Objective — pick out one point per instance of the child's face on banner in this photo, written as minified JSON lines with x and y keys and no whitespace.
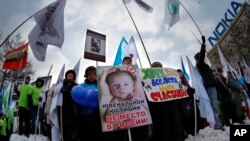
{"x":121,"y":86}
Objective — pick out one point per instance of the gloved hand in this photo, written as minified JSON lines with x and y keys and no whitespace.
{"x":203,"y":40}
{"x":190,"y":91}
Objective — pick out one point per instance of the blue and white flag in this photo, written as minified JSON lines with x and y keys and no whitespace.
{"x":131,"y":50}
{"x":120,"y":52}
{"x":49,"y":29}
{"x":205,"y":106}
{"x":171,"y":14}
{"x":184,"y":70}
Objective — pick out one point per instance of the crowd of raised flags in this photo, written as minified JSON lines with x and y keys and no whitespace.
{"x":49,"y":30}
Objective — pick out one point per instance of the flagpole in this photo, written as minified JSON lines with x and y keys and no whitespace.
{"x":191,"y":17}
{"x":16,"y":29}
{"x":50,"y":69}
{"x":137,"y":32}
{"x":196,"y":37}
{"x":140,"y":61}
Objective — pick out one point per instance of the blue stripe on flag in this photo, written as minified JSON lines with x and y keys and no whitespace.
{"x":120,"y":52}
{"x":184,"y":70}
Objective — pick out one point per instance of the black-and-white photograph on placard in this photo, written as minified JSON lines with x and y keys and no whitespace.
{"x":95,"y":46}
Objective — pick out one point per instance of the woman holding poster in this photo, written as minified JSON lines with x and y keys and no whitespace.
{"x":122,"y":103}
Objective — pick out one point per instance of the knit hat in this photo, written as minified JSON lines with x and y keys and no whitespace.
{"x":156,"y":65}
{"x":89,"y":69}
{"x":27,"y":77}
{"x":72,"y":72}
{"x":40,"y":80}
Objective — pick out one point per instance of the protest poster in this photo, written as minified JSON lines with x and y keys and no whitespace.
{"x":162,"y":84}
{"x":95,"y":46}
{"x":122,"y":101}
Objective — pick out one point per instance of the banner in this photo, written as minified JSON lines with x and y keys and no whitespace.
{"x":162,"y":84}
{"x":16,"y":58}
{"x":95,"y":46}
{"x":122,"y":101}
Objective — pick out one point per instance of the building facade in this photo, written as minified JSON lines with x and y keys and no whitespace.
{"x":235,"y":41}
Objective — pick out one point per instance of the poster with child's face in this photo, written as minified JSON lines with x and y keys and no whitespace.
{"x":162,"y":84}
{"x":122,"y":101}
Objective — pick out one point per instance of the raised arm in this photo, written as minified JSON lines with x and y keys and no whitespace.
{"x":202,"y":51}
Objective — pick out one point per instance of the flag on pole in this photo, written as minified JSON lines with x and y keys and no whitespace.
{"x":141,"y":4}
{"x":184,"y":70}
{"x":59,"y":85}
{"x":247,"y":72}
{"x":200,"y":91}
{"x":225,"y":65}
{"x":49,"y":29}
{"x":77,"y":68}
{"x":120,"y":52}
{"x":16,"y":58}
{"x":172,"y":15}
{"x":56,"y":101}
{"x":131,"y":50}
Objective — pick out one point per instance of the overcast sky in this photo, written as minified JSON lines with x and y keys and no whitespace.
{"x":110,"y":17}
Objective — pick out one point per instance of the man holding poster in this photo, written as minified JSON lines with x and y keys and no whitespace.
{"x":122,"y":101}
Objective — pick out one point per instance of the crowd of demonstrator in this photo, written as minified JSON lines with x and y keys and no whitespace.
{"x":172,"y":120}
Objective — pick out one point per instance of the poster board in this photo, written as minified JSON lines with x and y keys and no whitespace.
{"x":122,"y":101}
{"x":162,"y":84}
{"x":95,"y":46}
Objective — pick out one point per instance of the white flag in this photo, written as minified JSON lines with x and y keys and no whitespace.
{"x":225,"y":65}
{"x":171,"y":14}
{"x":131,"y":50}
{"x":77,"y":68}
{"x":56,"y":101}
{"x":205,"y":106}
{"x":49,"y":29}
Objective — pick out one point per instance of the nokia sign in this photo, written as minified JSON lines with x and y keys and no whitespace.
{"x":224,"y":23}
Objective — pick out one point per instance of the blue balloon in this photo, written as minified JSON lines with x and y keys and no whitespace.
{"x":92,"y":98}
{"x":85,"y":95}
